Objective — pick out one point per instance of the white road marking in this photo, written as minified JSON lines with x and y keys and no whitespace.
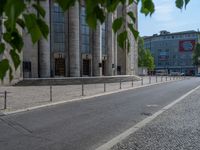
{"x":152,"y":105}
{"x":141,"y":124}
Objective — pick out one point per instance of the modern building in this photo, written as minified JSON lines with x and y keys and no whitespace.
{"x":74,"y":50}
{"x":173,"y":51}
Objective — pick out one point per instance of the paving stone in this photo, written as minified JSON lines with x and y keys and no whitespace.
{"x":176,"y":129}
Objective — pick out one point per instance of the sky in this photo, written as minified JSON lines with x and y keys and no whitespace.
{"x":168,"y":17}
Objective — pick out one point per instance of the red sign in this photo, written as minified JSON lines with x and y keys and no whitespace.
{"x":186,"y":45}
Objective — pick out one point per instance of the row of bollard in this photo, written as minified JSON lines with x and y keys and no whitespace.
{"x":120,"y":85}
{"x":4,"y":94}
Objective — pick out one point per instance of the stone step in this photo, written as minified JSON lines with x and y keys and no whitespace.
{"x":76,"y":80}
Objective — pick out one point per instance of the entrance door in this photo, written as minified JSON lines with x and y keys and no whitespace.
{"x":103,"y":67}
{"x":60,"y":67}
{"x":86,"y":67}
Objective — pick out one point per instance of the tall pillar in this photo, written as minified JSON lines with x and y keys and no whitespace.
{"x":109,"y":45}
{"x":44,"y":46}
{"x":115,"y":46}
{"x":74,"y":48}
{"x":97,"y":51}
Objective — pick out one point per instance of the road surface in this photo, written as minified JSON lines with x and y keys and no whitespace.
{"x":87,"y":124}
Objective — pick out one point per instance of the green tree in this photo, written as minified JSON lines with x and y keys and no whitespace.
{"x":17,"y":16}
{"x":141,"y":52}
{"x":145,"y":59}
{"x":149,"y":60}
{"x":196,"y":55}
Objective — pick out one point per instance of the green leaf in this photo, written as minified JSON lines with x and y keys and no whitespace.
{"x":134,"y":31}
{"x":92,"y":21}
{"x":147,"y":7}
{"x":15,"y":58}
{"x":7,"y":37}
{"x":43,"y":27}
{"x":186,"y":2}
{"x":4,"y":66}
{"x":117,"y":24}
{"x":2,"y":48}
{"x":16,"y":41}
{"x":66,"y":4}
{"x":21,"y":23}
{"x":123,"y":1}
{"x":132,"y":16}
{"x":91,"y":14}
{"x":121,"y":39}
{"x":2,"y":2}
{"x":100,"y":14}
{"x":39,"y":9}
{"x":179,"y":4}
{"x":112,"y":5}
{"x":32,"y":26}
{"x":13,"y":10}
{"x":130,"y":2}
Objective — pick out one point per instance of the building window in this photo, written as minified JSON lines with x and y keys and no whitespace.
{"x":103,"y":29}
{"x":84,"y":29}
{"x":58,"y":29}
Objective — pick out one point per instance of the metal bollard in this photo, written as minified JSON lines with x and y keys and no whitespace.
{"x":132,"y":83}
{"x":166,"y":78}
{"x":5,"y":100}
{"x":120,"y":84}
{"x":156,"y":79}
{"x":104,"y":87}
{"x":149,"y":79}
{"x":161,"y":78}
{"x":142,"y":81}
{"x":51,"y":94}
{"x":82,"y":85}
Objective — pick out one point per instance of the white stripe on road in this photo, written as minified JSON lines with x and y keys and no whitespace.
{"x":141,"y":124}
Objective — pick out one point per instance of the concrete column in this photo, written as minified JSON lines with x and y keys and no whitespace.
{"x":97,"y":51}
{"x":109,"y":45}
{"x":115,"y":47}
{"x":74,"y":48}
{"x":44,"y":46}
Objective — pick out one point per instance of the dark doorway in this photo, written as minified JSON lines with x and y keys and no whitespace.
{"x":60,"y":67}
{"x":103,"y":67}
{"x":86,"y":67}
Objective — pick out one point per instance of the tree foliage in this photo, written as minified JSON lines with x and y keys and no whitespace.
{"x":145,"y":59}
{"x":17,"y":16}
{"x":196,"y":55}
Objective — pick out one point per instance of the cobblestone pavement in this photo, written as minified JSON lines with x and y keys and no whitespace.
{"x":176,"y":129}
{"x":24,"y":97}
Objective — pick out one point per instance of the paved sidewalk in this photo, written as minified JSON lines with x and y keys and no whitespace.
{"x":20,"y":97}
{"x":176,"y":129}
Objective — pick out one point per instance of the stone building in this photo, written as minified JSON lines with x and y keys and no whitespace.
{"x":74,"y":50}
{"x":173,"y":51}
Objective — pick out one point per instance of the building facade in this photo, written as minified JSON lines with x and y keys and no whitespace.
{"x":75,"y":50}
{"x":173,"y":51}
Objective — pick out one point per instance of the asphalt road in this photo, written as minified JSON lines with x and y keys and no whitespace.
{"x":85,"y":125}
